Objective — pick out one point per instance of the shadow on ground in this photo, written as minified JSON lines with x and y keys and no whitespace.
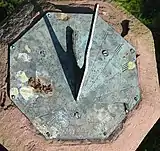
{"x":3,"y":14}
{"x":2,"y":148}
{"x":152,"y":140}
{"x":150,"y":10}
{"x":156,"y":37}
{"x":125,"y":27}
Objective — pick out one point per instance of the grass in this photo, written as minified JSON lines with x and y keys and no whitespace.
{"x":10,"y":5}
{"x":147,"y":11}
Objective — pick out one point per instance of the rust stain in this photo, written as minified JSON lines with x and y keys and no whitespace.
{"x":39,"y":85}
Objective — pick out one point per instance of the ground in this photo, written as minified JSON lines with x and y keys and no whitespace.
{"x":18,"y":134}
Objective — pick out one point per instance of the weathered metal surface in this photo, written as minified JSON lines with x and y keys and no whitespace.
{"x":39,"y":85}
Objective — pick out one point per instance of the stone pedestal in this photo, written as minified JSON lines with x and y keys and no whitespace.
{"x":17,"y":133}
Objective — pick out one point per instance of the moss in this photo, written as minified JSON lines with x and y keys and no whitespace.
{"x":145,"y":10}
{"x":10,"y":5}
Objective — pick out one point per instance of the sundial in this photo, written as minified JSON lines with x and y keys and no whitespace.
{"x":73,"y":76}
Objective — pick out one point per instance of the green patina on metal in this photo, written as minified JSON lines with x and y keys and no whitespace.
{"x":63,"y":98}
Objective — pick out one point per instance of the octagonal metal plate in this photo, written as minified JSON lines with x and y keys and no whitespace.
{"x":39,"y":88}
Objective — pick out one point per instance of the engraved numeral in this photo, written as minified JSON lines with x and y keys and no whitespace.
{"x":124,"y":67}
{"x":118,"y":48}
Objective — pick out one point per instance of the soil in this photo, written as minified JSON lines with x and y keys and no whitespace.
{"x":16,"y":132}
